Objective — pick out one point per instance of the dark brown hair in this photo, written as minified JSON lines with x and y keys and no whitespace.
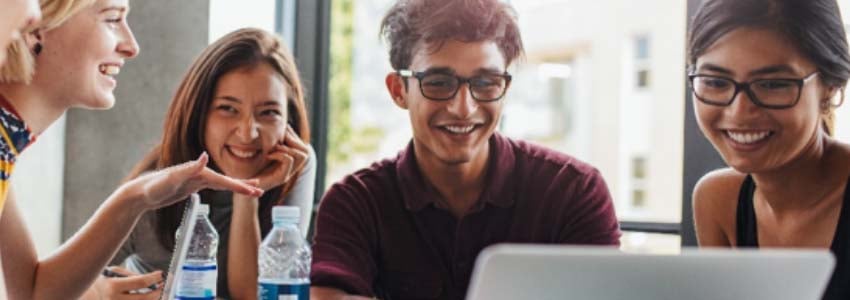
{"x":813,"y":26}
{"x":183,"y":131}
{"x":434,"y":22}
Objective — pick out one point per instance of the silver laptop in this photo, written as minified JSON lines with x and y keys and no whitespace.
{"x":588,"y":273}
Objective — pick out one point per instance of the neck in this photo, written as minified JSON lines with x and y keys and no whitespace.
{"x":460,"y":184}
{"x":35,"y":106}
{"x":800,"y":183}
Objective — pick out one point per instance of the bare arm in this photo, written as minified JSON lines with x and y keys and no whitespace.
{"x":242,"y":248}
{"x":83,"y":257}
{"x":287,"y":159}
{"x":715,"y":204}
{"x":68,"y":272}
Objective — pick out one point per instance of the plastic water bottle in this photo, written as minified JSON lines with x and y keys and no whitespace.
{"x":284,"y":259}
{"x":200,"y":270}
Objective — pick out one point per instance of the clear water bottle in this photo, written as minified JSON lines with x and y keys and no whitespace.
{"x":284,"y":259}
{"x":199,"y":271}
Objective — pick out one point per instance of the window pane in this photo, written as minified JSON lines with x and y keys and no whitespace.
{"x":619,"y":107}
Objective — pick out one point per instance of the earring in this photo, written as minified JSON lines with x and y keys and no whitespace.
{"x":37,"y":48}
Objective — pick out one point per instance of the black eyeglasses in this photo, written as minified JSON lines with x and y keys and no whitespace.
{"x":773,"y":93}
{"x":440,"y":86}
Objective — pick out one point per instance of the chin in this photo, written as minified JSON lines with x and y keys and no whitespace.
{"x":102,"y":103}
{"x":456,"y":158}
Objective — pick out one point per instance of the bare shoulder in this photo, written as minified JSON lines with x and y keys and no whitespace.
{"x":715,"y":201}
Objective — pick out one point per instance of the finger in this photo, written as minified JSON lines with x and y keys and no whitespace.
{"x":122,"y":271}
{"x":213,"y":180}
{"x":162,"y":185}
{"x":293,"y":140}
{"x":280,"y":171}
{"x":300,"y":157}
{"x":135,"y":282}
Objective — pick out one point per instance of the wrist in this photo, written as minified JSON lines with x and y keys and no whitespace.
{"x":243,"y":201}
{"x":129,"y":199}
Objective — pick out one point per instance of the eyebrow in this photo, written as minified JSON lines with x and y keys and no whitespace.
{"x":234,"y":99}
{"x":714,"y":68}
{"x":447,"y":70}
{"x":229,"y":98}
{"x":269,"y":103}
{"x":772,"y":70}
{"x":761,"y":71}
{"x":123,"y":9}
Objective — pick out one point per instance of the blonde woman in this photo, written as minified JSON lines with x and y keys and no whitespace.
{"x":71,"y":60}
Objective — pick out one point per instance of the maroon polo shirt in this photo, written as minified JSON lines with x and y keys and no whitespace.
{"x":380,"y":231}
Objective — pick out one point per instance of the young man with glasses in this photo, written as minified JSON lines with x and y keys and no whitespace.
{"x":411,"y":227}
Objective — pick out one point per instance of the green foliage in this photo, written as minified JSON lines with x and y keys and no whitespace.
{"x":345,"y":139}
{"x":339,"y":90}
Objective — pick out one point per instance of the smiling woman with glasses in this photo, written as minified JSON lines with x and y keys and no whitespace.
{"x":766,"y":78}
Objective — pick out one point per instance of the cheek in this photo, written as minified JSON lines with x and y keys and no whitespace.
{"x":705,"y":116}
{"x":213,"y":133}
{"x":272,"y":134}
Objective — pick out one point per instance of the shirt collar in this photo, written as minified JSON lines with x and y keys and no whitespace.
{"x":15,"y":131}
{"x":499,"y":189}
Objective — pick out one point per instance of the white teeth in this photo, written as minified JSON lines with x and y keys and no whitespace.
{"x":243,"y":154}
{"x":459,"y":129}
{"x":110,"y":70}
{"x":748,"y":137}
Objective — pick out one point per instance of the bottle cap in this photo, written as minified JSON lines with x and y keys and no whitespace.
{"x":289,"y":214}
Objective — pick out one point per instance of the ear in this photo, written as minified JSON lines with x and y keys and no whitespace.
{"x":831,"y":94}
{"x":397,"y":89}
{"x":33,"y":39}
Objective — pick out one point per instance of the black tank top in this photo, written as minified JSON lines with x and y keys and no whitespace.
{"x":839,"y":284}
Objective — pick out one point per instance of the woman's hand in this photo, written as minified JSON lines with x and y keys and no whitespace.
{"x":167,"y":186}
{"x":287,"y":159}
{"x":134,"y":286}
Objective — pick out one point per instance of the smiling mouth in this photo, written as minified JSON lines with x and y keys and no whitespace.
{"x":458,"y":129}
{"x":243,"y":154}
{"x":748,"y":137}
{"x":109,"y":69}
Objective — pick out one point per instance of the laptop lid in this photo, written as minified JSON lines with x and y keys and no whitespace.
{"x":597,"y":273}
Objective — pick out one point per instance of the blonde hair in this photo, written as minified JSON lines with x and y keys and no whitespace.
{"x":20,"y":62}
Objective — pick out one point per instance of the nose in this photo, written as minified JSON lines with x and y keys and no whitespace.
{"x":127,"y":45}
{"x":463,"y":105}
{"x":742,"y":105}
{"x":248,"y":130}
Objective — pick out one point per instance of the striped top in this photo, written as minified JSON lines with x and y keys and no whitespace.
{"x":15,"y":136}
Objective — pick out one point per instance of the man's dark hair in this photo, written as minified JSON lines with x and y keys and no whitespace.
{"x":434,"y":22}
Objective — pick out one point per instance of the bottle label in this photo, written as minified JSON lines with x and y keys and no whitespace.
{"x":272,"y":291}
{"x":197,"y":282}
